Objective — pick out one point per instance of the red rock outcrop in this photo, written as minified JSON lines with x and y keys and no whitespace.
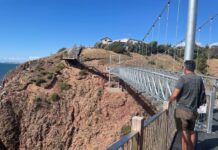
{"x":75,"y":112}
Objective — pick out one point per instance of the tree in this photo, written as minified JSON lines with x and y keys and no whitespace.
{"x":117,"y":47}
{"x":213,"y":52}
{"x":153,"y":46}
{"x":202,"y":60}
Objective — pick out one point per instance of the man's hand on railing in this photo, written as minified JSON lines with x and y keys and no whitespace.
{"x":166,"y":105}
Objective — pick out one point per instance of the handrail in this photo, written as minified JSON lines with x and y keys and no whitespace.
{"x":146,"y":124}
{"x":153,"y":118}
{"x":123,"y":140}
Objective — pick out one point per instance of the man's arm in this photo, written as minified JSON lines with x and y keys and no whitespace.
{"x":176,"y":91}
{"x":174,"y":95}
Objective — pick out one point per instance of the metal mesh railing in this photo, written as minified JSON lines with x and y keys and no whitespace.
{"x":159,"y":85}
{"x":158,"y":131}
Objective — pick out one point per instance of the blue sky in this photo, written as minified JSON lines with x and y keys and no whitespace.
{"x":37,"y":28}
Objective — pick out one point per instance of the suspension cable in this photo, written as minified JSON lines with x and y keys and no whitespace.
{"x":208,"y":21}
{"x":166,"y":31}
{"x":177,"y":19}
{"x":177,"y":29}
{"x":210,"y":36}
{"x":210,"y":31}
{"x":152,"y":36}
{"x":203,"y":25}
{"x":157,"y":19}
{"x":158,"y":31}
{"x":158,"y":38}
{"x":198,"y":48}
{"x":167,"y":23}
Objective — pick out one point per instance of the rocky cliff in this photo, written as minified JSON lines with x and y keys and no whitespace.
{"x":48,"y":105}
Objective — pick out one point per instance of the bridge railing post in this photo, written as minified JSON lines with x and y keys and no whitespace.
{"x":137,"y":125}
{"x":211,"y":109}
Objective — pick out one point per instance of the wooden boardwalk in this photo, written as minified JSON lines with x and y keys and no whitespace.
{"x":73,"y":54}
{"x":205,"y":141}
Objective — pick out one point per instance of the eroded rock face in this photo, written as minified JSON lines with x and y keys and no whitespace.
{"x":84,"y":116}
{"x":9,"y":126}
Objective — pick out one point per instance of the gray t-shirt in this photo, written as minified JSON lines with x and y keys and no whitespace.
{"x":192,"y":93}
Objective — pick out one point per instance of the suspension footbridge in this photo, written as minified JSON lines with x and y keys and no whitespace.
{"x":159,"y":132}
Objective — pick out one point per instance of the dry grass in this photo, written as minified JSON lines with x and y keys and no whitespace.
{"x":91,"y":53}
{"x":161,"y":61}
{"x":102,"y":55}
{"x":213,"y":67}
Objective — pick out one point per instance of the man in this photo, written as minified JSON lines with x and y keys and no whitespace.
{"x":189,"y":93}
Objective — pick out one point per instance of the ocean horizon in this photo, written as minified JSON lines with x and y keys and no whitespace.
{"x":5,"y":68}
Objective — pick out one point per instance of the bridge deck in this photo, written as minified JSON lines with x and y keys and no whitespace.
{"x":205,"y":141}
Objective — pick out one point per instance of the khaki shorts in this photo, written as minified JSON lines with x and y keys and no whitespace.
{"x":185,"y":120}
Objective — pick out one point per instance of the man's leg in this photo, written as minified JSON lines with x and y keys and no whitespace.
{"x":193,"y":140}
{"x":185,"y":139}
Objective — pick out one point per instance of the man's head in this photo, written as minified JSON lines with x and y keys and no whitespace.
{"x":189,"y":66}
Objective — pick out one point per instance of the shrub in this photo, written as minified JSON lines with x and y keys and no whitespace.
{"x":213,"y":52}
{"x":152,"y":62}
{"x":38,"y":106}
{"x":37,"y":99}
{"x":125,"y":130}
{"x":98,"y":45}
{"x":100,"y":91}
{"x":202,"y":64}
{"x":39,"y":103}
{"x":60,"y":66}
{"x":43,"y":73}
{"x":64,"y":86}
{"x":50,"y":76}
{"x":55,"y":97}
{"x":39,"y":81}
{"x":117,"y":47}
{"x":39,"y":68}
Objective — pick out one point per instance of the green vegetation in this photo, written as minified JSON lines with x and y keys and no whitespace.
{"x":213,"y":52}
{"x":152,"y":62}
{"x":153,"y":48}
{"x":200,"y":53}
{"x":39,"y":81}
{"x":60,"y":66}
{"x":40,"y":102}
{"x":49,"y":76}
{"x":63,"y":85}
{"x":201,"y":61}
{"x":125,"y":130}
{"x":100,"y":91}
{"x":117,"y":47}
{"x":55,"y":97}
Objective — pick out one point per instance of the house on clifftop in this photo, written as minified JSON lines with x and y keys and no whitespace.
{"x":106,"y":41}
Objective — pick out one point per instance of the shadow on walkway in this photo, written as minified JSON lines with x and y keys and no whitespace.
{"x":208,"y":144}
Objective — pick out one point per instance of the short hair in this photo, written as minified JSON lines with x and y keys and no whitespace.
{"x":190,"y":65}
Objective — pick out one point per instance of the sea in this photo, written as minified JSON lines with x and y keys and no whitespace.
{"x":4,"y":69}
